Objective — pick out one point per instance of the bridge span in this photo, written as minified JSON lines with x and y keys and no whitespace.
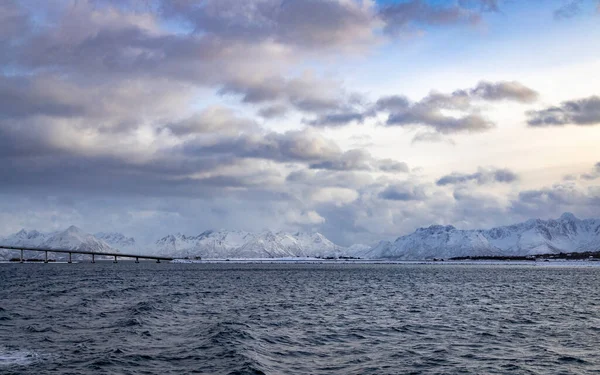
{"x":92,"y":253}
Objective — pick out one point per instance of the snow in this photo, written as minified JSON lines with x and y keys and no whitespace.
{"x":239,"y":244}
{"x":117,"y":240}
{"x":565,"y":234}
{"x":72,"y":238}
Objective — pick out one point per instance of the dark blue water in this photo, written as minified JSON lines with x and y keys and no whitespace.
{"x":152,"y":318}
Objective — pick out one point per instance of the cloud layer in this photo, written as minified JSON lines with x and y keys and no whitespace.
{"x":163,"y":115}
{"x":583,"y":112}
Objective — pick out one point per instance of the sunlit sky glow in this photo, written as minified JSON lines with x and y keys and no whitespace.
{"x":361,"y":120}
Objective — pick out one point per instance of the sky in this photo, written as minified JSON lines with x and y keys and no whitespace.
{"x":363,"y":120}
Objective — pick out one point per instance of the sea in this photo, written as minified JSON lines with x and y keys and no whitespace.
{"x":335,"y":318}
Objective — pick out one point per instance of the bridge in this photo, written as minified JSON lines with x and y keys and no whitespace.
{"x":92,"y":253}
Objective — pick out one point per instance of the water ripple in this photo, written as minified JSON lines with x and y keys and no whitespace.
{"x":304,"y":319}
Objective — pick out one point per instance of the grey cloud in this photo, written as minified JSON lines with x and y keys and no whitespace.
{"x":568,"y":10}
{"x":360,"y":160}
{"x":14,"y":21}
{"x":389,"y":165}
{"x":404,"y":192}
{"x":336,"y":119}
{"x":235,"y":47}
{"x":308,"y":23}
{"x":481,"y":177}
{"x":594,"y":174}
{"x":330,"y":178}
{"x":504,"y":91}
{"x":400,"y":17}
{"x":349,"y":160}
{"x":292,"y":147}
{"x":558,"y":198}
{"x":273,"y":111}
{"x":99,"y":44}
{"x":106,"y":107}
{"x":441,"y":123}
{"x":431,"y":137}
{"x":212,"y":120}
{"x":484,"y":5}
{"x":584,"y":112}
{"x":24,"y":96}
{"x":429,"y":110}
{"x":393,"y":103}
{"x":306,"y":93}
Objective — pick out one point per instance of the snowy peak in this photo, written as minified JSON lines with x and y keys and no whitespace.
{"x":567,"y":216}
{"x":116,"y":240}
{"x":240,"y":244}
{"x":72,"y":238}
{"x":535,"y":236}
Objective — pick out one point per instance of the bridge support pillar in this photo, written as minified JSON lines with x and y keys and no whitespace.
{"x":137,"y":260}
{"x":46,"y":257}
{"x":21,"y":261}
{"x":93,"y":258}
{"x":115,"y":261}
{"x":158,"y":261}
{"x":70,"y":260}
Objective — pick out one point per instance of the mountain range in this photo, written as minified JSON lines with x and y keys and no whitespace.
{"x":535,"y":236}
{"x":71,"y":238}
{"x":240,"y":244}
{"x":565,"y":234}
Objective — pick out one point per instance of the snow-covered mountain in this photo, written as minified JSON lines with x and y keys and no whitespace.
{"x":118,"y":241}
{"x":535,"y":236}
{"x":240,"y":244}
{"x":71,"y":238}
{"x":565,"y":234}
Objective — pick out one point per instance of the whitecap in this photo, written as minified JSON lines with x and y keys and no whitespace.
{"x":16,"y":357}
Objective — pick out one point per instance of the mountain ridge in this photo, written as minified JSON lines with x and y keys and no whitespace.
{"x":72,"y":238}
{"x":534,"y":236}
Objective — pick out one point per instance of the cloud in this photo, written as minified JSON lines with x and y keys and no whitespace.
{"x":481,"y":177}
{"x":404,"y":192}
{"x":392,"y":103}
{"x":583,"y":112}
{"x":307,"y":23}
{"x":594,"y":174}
{"x":337,"y":119}
{"x":334,"y":195}
{"x":432,"y":110}
{"x":484,"y":5}
{"x":273,"y":111}
{"x":553,"y":200}
{"x":431,"y":137}
{"x":508,"y":90}
{"x":108,"y":118}
{"x":358,"y":159}
{"x":211,"y":120}
{"x":305,"y":93}
{"x":568,"y":10}
{"x":402,"y":17}
{"x":14,"y":22}
{"x":291,"y":146}
{"x":299,"y":217}
{"x":333,"y":178}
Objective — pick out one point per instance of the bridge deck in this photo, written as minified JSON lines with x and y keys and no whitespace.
{"x":120,"y":255}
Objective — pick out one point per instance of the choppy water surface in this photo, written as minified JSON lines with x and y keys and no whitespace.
{"x":151,"y":318}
